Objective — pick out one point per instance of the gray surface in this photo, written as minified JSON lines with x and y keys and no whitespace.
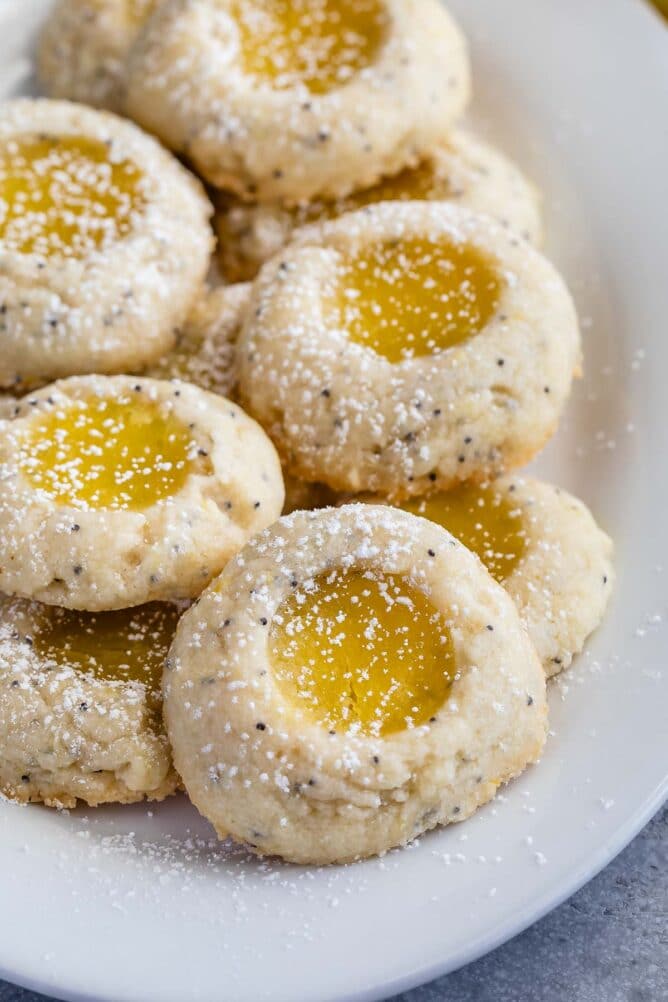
{"x":609,"y":943}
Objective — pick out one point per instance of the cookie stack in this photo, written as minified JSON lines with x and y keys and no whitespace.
{"x":373,"y":664}
{"x":119,"y":495}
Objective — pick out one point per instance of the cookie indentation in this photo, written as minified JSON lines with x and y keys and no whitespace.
{"x":65,"y":196}
{"x":99,"y":452}
{"x":129,"y":645}
{"x":318,"y":43}
{"x":415,"y":297}
{"x":363,"y":651}
{"x":483,"y":519}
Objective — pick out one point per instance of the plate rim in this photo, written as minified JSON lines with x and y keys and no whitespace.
{"x":501,"y":934}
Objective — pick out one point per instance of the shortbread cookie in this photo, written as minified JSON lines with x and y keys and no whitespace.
{"x":105,"y":243}
{"x":81,"y":705}
{"x":354,"y":678}
{"x":408,"y":346}
{"x":204,"y":349}
{"x":119,"y":490}
{"x":463,"y":169}
{"x":296,"y":99}
{"x":543,"y":546}
{"x":204,"y":353}
{"x":7,"y":405}
{"x":84,"y":46}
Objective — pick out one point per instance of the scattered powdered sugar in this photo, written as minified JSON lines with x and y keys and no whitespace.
{"x":185,"y":861}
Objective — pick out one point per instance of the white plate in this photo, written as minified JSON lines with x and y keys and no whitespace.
{"x":127,"y":905}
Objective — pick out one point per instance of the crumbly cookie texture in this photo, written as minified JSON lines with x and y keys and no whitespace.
{"x":83,"y":49}
{"x":204,"y":353}
{"x":544,"y":546}
{"x":292,"y":101}
{"x":155,"y":518}
{"x":346,"y":414}
{"x":273,"y":774}
{"x":563,"y":582}
{"x":463,"y":169}
{"x":68,"y":734}
{"x":7,"y":405}
{"x":99,"y":275}
{"x":205,"y":345}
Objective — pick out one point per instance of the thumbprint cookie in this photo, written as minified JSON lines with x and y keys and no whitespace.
{"x":119,"y":490}
{"x":105,"y":243}
{"x":543,"y":545}
{"x":296,"y":99}
{"x":354,"y":678}
{"x":81,"y":704}
{"x":462,"y":169}
{"x":407,"y":347}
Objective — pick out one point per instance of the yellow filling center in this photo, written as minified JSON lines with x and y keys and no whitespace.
{"x":362,"y":651}
{"x":128,"y":645}
{"x":414,"y":183}
{"x":483,"y":519}
{"x":63,"y":196}
{"x":318,"y":43}
{"x":414,"y":297}
{"x":101,"y":452}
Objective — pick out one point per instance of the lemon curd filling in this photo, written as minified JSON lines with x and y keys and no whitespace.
{"x":64,"y":196}
{"x":483,"y":519}
{"x":318,"y":43}
{"x":114,"y":453}
{"x":362,"y":651}
{"x":413,"y":183}
{"x":415,"y":297}
{"x":128,"y":645}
